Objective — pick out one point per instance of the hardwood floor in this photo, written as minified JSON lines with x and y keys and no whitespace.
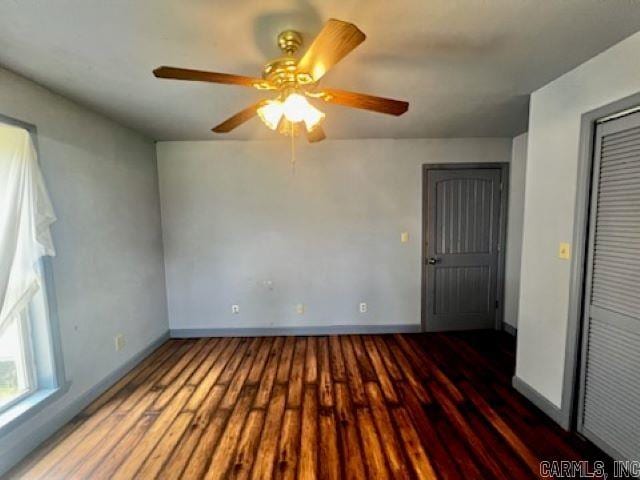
{"x":391,"y":406}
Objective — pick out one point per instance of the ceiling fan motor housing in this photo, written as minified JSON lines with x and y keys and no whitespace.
{"x":283,"y":71}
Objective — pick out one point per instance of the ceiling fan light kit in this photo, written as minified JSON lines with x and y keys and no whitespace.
{"x":290,"y":112}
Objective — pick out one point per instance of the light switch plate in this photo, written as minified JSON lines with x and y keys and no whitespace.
{"x":564,"y":251}
{"x":119,"y":342}
{"x":300,"y":309}
{"x":404,"y":237}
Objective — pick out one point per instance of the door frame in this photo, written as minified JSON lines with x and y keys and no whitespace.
{"x":502,"y":244}
{"x":567,"y":416}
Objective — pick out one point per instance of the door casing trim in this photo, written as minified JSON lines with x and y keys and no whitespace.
{"x":570,"y":383}
{"x":504,"y":214}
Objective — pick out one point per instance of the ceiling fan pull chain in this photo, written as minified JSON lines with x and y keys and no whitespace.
{"x":293,"y":151}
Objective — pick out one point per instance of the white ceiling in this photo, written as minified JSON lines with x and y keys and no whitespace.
{"x":465,"y":66}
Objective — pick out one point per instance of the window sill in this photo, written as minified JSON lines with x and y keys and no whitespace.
{"x":28,"y":407}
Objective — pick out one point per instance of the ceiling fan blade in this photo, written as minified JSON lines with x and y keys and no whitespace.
{"x":316,"y":134}
{"x":333,"y":43}
{"x":213,"y":77}
{"x":238,"y":119}
{"x":364,"y":101}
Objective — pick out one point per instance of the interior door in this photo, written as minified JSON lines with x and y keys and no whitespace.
{"x":463,"y":234}
{"x":609,"y":400}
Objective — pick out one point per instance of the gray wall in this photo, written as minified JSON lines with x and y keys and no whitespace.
{"x":552,"y":161}
{"x":240,"y":228}
{"x":514,"y":229}
{"x":108,"y":273}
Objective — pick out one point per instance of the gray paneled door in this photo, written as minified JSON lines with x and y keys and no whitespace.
{"x":462,"y":234}
{"x":609,"y":401}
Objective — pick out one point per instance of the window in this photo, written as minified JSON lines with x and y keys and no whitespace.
{"x":29,"y":373}
{"x":17,"y":377}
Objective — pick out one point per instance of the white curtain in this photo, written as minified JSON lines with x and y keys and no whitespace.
{"x":25,"y":217}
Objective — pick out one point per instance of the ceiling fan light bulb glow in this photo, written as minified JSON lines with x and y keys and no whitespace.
{"x":295,"y":107}
{"x":298,"y":109}
{"x":313,"y":117}
{"x":271,"y":113}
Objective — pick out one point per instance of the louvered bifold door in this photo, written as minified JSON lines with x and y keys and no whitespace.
{"x":609,"y":412}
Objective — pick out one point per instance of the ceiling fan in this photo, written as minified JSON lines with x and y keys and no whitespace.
{"x":294,"y":80}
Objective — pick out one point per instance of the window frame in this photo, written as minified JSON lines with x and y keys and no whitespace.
{"x":48,"y":371}
{"x":24,"y":333}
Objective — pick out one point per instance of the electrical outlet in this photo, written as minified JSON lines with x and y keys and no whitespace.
{"x":564,"y":251}
{"x":119,"y":342}
{"x":404,"y":237}
{"x":235,"y":308}
{"x":300,"y":309}
{"x":363,"y":307}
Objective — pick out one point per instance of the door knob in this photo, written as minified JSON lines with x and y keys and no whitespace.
{"x":433,"y":260}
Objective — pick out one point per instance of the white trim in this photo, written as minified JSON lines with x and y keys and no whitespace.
{"x":535,"y":397}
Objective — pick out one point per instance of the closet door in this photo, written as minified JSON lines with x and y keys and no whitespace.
{"x":609,"y":409}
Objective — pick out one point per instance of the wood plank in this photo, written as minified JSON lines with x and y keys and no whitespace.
{"x":311,"y":361}
{"x":199,"y":460}
{"x":391,"y":444}
{"x":85,"y":456}
{"x":170,"y":376}
{"x":63,"y":449}
{"x":269,"y":375}
{"x":502,"y":454}
{"x":105,"y":468}
{"x":413,"y":447}
{"x":502,"y":428}
{"x":349,"y":438}
{"x":308,"y":464}
{"x":245,"y":456}
{"x":457,"y":419}
{"x":412,"y":355}
{"x":224,"y":453}
{"x":353,"y":373}
{"x":435,"y":448}
{"x":366,"y":370}
{"x":389,"y":360}
{"x":234,"y":362}
{"x":378,"y":365}
{"x":228,"y":346}
{"x":160,"y":375}
{"x":236,"y":384}
{"x":287,"y":458}
{"x":410,"y":374}
{"x":164,"y":448}
{"x":199,"y":433}
{"x":214,"y":347}
{"x":371,"y":445}
{"x":438,"y":374}
{"x":285,"y":360}
{"x":294,"y":396}
{"x":337,"y":361}
{"x":132,"y":464}
{"x":267,"y":449}
{"x":457,"y":447}
{"x":261,"y":360}
{"x":170,"y":391}
{"x":325,"y":385}
{"x":142,"y":369}
{"x":328,"y":455}
{"x":96,"y":448}
{"x":456,"y":414}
